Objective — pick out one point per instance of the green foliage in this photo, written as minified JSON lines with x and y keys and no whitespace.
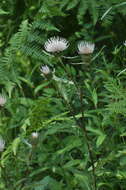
{"x":59,"y":158}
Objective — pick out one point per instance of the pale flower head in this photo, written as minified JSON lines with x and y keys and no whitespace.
{"x":34,"y":135}
{"x":56,"y":44}
{"x":2,"y":100}
{"x":125,"y":43}
{"x":86,"y":47}
{"x":2,"y":144}
{"x":45,"y":70}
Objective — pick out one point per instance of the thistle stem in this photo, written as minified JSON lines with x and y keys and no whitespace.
{"x":88,"y":142}
{"x":80,"y":93}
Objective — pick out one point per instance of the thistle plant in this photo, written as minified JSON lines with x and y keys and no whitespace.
{"x":85,"y":49}
{"x":45,"y":71}
{"x":2,"y":100}
{"x":64,"y":129}
{"x":34,"y":135}
{"x":56,"y":45}
{"x":2,"y":144}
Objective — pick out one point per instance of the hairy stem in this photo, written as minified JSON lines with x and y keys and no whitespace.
{"x":88,"y":142}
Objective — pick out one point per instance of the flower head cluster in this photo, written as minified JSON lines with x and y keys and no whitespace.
{"x":86,"y":47}
{"x":34,"y":135}
{"x":2,"y":100}
{"x":45,"y":70}
{"x":125,"y":43}
{"x":2,"y":144}
{"x":56,"y":44}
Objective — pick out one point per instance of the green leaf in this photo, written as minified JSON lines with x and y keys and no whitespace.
{"x":73,"y":142}
{"x":15,"y":145}
{"x":71,"y":163}
{"x":95,"y":97}
{"x":72,"y":4}
{"x":121,"y":175}
{"x":100,"y":139}
{"x":101,"y":136}
{"x":83,"y":180}
{"x":47,"y":183}
{"x":29,"y":83}
{"x":40,"y":87}
{"x":123,"y":134}
{"x":5,"y":155}
{"x":2,"y":12}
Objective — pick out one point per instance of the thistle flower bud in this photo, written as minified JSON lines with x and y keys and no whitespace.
{"x":86,"y":47}
{"x":2,"y":100}
{"x":34,"y":135}
{"x":56,"y":45}
{"x":45,"y":70}
{"x":2,"y":144}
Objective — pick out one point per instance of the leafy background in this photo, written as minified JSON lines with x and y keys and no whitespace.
{"x":59,"y":158}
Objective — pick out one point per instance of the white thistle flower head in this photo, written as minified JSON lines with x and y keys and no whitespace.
{"x":2,"y":100}
{"x":34,"y":135}
{"x":45,"y":70}
{"x":2,"y":144}
{"x":86,"y":47}
{"x":125,"y":43}
{"x":56,"y":45}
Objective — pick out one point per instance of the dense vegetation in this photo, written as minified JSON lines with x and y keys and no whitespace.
{"x":65,"y":131}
